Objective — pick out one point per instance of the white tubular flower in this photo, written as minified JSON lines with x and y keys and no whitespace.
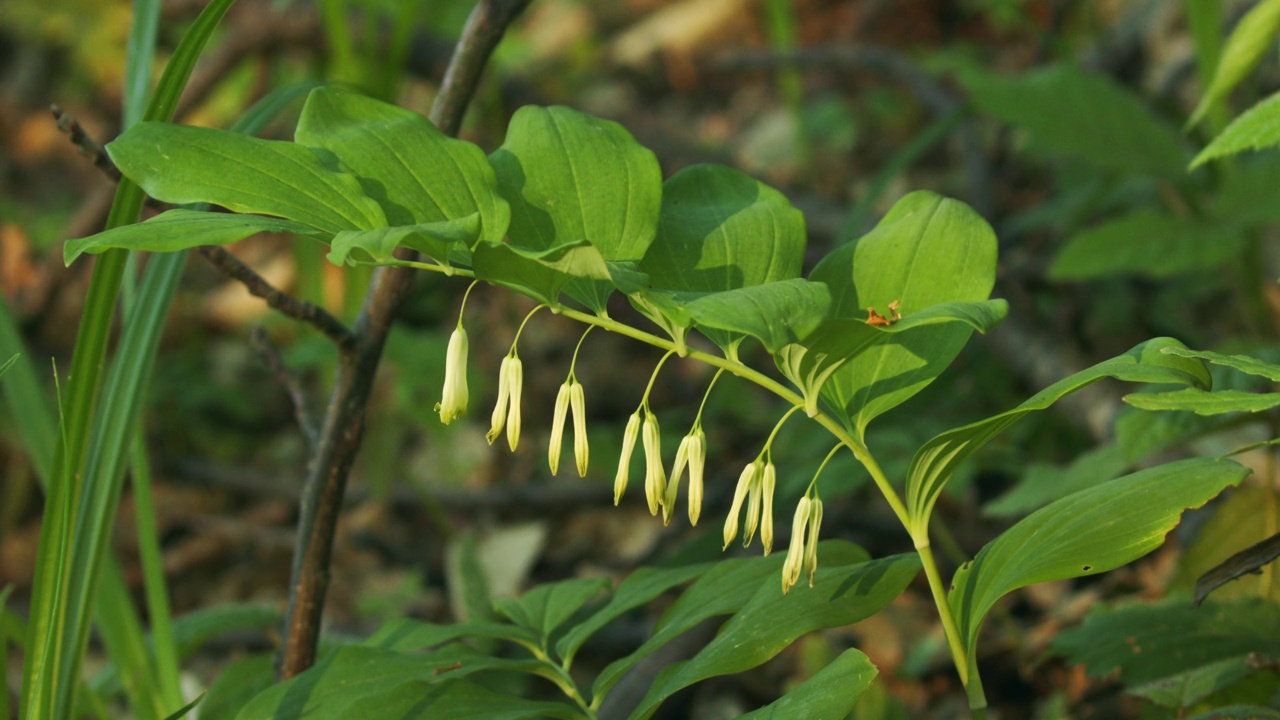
{"x":453,"y":403}
{"x":673,"y":484}
{"x":795,"y":551}
{"x":697,"y":461}
{"x":624,"y":459}
{"x":752,"y":523}
{"x":516,"y":382}
{"x":499,"y":417}
{"x":745,"y":481}
{"x":655,"y":477}
{"x":557,"y":427}
{"x":578,"y":404}
{"x":811,"y":546}
{"x":767,"y":485}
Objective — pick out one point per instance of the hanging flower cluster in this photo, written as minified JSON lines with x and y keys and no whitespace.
{"x":756,"y":485}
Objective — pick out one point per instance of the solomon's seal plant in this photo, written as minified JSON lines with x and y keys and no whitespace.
{"x":571,"y":210}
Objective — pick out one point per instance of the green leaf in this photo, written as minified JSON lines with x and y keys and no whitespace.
{"x":1255,"y":129}
{"x":1149,"y":642}
{"x":1089,"y":532}
{"x":640,"y":587}
{"x":927,"y":251}
{"x":365,"y":683}
{"x":571,"y":177}
{"x":776,"y":313}
{"x":544,"y":274}
{"x":182,"y":711}
{"x":1204,"y":403}
{"x":181,"y":164}
{"x":721,"y":229}
{"x":1044,"y":483}
{"x":408,"y":634}
{"x":1243,"y":363}
{"x":722,"y":590}
{"x":435,"y":240}
{"x":546,"y":607}
{"x":1147,"y":242}
{"x":419,"y":176}
{"x":829,"y":695}
{"x":1248,"y":41}
{"x":772,"y":620}
{"x":181,"y":229}
{"x":237,"y":683}
{"x":1082,"y":114}
{"x":1239,"y":712}
{"x":811,"y":362}
{"x":1190,"y":687}
{"x":935,"y":462}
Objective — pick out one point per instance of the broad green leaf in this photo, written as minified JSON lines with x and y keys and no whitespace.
{"x":1083,"y":114}
{"x":1089,"y":532}
{"x":1255,"y":129}
{"x":571,"y":177}
{"x":408,"y":634}
{"x":640,"y":587}
{"x":810,"y":363}
{"x":364,"y":683}
{"x":1249,"y":195}
{"x":927,"y":251}
{"x":181,"y":164}
{"x":1243,"y":363}
{"x":544,"y":274}
{"x":935,"y":462}
{"x":1204,"y":403}
{"x":181,"y":229}
{"x":1042,"y":483}
{"x":1251,"y":37}
{"x":1190,"y":687}
{"x":419,"y":176}
{"x":435,"y":240}
{"x":1149,"y":642}
{"x":1239,"y":712}
{"x":237,"y":683}
{"x":722,"y":590}
{"x":1147,"y":242}
{"x":776,"y":313}
{"x":831,"y":694}
{"x":772,"y":620}
{"x":546,"y":607}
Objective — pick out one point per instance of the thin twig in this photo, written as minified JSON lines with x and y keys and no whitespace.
{"x":85,"y":144}
{"x":270,"y":355}
{"x":345,"y":416}
{"x":296,"y":308}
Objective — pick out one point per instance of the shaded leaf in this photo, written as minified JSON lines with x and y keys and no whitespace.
{"x":831,"y":694}
{"x":181,"y":229}
{"x":1243,"y":363}
{"x":1188,"y":688}
{"x":409,"y":634}
{"x":544,"y":274}
{"x":1249,"y":560}
{"x":1082,"y":114}
{"x":435,"y":240}
{"x":237,"y":683}
{"x":1239,"y":712}
{"x":1147,"y":242}
{"x":1089,"y":532}
{"x":1042,"y":484}
{"x":772,"y":620}
{"x":776,"y":313}
{"x":1205,"y":403}
{"x":928,"y":250}
{"x":571,"y":177}
{"x":546,"y":607}
{"x":181,"y":164}
{"x":935,"y":462}
{"x":1248,"y":41}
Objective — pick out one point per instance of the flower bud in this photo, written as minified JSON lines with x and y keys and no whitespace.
{"x":624,"y":459}
{"x":697,"y":462}
{"x":499,"y":417}
{"x":655,"y":477}
{"x":811,"y":546}
{"x":516,"y":382}
{"x":557,"y":427}
{"x":745,"y":481}
{"x":578,"y":403}
{"x":453,"y":402}
{"x":767,"y":485}
{"x":673,"y":484}
{"x":795,"y":551}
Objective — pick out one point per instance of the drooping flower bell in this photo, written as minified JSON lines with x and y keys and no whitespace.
{"x":506,"y":412}
{"x":692,"y":454}
{"x":624,"y":458}
{"x":453,"y":402}
{"x":655,"y":476}
{"x":571,"y":397}
{"x":802,"y":553}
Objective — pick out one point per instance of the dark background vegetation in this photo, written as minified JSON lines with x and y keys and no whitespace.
{"x":844,"y":106}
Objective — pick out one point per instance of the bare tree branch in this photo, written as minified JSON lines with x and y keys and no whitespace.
{"x":270,"y":355}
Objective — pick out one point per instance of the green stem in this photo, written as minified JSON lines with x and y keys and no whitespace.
{"x":972,"y":683}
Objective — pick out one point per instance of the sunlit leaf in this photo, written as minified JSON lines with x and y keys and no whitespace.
{"x":776,"y":313}
{"x":181,"y":164}
{"x":1204,"y":403}
{"x":182,"y":229}
{"x":1251,"y":37}
{"x":1255,"y":129}
{"x":436,"y":240}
